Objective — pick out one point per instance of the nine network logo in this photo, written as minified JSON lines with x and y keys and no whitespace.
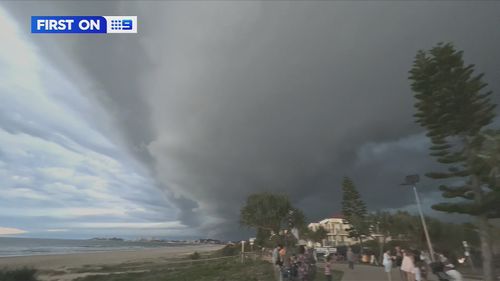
{"x":84,"y":24}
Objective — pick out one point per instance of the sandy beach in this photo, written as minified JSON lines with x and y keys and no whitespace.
{"x":63,"y":262}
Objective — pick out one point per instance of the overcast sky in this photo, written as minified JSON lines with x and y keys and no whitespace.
{"x":165,"y":133}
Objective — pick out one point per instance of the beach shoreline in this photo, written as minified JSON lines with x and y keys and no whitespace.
{"x":72,"y":260}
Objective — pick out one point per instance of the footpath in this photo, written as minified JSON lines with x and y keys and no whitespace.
{"x":372,"y":273}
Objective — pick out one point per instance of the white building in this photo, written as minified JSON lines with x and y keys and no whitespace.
{"x":337,"y":231}
{"x":338,"y":235}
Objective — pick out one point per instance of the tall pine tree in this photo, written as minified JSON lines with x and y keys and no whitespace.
{"x":454,"y":109}
{"x":354,"y":211}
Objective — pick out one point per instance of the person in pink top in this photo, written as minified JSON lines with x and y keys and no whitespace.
{"x":328,"y":268}
{"x":408,"y":266}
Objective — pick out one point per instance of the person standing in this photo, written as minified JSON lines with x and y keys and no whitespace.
{"x":398,"y":261}
{"x":449,"y":269}
{"x":387,"y":262}
{"x":328,"y":268}
{"x":425,"y":268}
{"x":306,"y":264}
{"x":408,"y":266}
{"x":418,"y":270}
{"x":277,"y":262}
{"x":350,"y":258}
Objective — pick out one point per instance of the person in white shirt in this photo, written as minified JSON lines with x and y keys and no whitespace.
{"x":387,"y":262}
{"x":450,"y":269}
{"x":417,"y":271}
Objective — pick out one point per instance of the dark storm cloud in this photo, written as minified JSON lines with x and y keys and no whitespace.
{"x":114,"y":82}
{"x":226,"y":99}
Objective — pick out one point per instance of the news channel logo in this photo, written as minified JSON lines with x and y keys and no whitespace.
{"x":84,"y":24}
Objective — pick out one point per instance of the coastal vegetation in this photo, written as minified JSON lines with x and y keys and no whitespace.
{"x":355,"y":212}
{"x":269,"y":214}
{"x":457,"y":112}
{"x":214,"y":270}
{"x":22,"y":274}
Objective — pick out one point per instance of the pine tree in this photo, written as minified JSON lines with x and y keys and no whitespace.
{"x":354,"y":211}
{"x":454,"y":109}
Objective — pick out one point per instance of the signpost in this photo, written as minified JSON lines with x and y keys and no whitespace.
{"x":243,"y":250}
{"x":252,"y":241}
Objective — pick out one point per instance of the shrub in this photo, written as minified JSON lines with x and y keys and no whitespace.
{"x":229,"y":250}
{"x":22,"y":274}
{"x":195,"y":256}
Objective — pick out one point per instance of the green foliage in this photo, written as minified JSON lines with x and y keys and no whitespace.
{"x":320,"y":234}
{"x":23,"y":274}
{"x":228,"y":250}
{"x":352,"y":205}
{"x":316,"y":236}
{"x":383,"y":223}
{"x":262,"y":238}
{"x":265,"y":211}
{"x":450,"y":98}
{"x":269,"y":213}
{"x":354,"y":210}
{"x":454,"y":108}
{"x":220,"y":270}
{"x":406,"y":229}
{"x":195,"y":256}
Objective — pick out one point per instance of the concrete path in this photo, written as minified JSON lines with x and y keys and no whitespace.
{"x":371,"y":273}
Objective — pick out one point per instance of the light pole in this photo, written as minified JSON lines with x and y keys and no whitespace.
{"x":412,"y":180}
{"x":290,"y":224}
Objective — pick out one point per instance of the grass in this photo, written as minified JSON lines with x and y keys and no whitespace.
{"x":216,"y":270}
{"x":220,"y":270}
{"x":22,"y":274}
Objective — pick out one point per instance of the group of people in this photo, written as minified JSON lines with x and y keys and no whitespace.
{"x":412,"y":265}
{"x":300,"y":266}
{"x":415,"y":266}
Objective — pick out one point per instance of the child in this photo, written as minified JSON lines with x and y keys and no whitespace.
{"x":328,"y":268}
{"x":417,"y":270}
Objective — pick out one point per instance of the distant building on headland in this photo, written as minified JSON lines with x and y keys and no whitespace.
{"x":209,"y":241}
{"x":107,"y":239}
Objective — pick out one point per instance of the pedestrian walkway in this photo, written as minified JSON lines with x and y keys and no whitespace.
{"x":371,"y":273}
{"x":364,"y":273}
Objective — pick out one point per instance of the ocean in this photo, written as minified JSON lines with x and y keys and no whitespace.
{"x":10,"y":247}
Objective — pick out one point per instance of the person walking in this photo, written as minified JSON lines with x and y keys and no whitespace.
{"x":387,"y":262}
{"x":328,"y":268}
{"x":350,"y":258}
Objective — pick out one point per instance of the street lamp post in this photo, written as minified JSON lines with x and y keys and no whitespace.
{"x":289,"y":228}
{"x":412,"y":180}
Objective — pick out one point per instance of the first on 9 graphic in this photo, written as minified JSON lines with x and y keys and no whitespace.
{"x":84,"y":24}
